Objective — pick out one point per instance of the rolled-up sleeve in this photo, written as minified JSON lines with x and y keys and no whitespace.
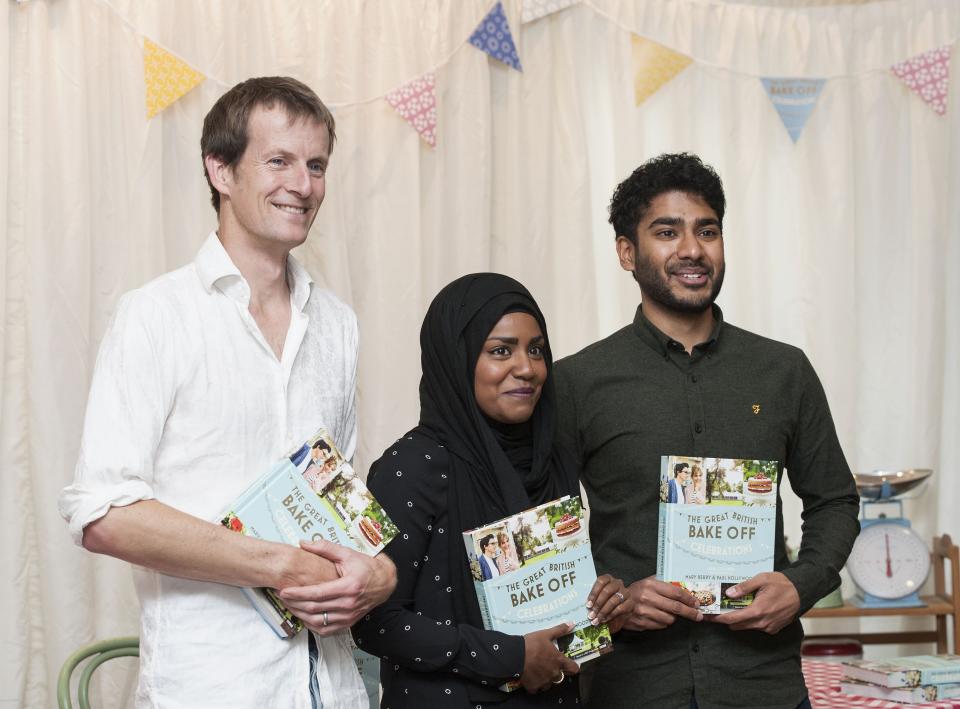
{"x":130,"y":397}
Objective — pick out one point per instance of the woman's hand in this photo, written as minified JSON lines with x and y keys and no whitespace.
{"x":609,"y":602}
{"x":543,"y":664}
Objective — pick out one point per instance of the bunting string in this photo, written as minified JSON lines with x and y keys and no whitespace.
{"x":740,"y":72}
{"x":168,"y":76}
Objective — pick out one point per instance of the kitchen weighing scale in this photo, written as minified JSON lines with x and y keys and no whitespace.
{"x":889,"y":562}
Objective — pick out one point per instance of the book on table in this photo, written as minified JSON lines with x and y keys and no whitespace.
{"x":912,"y":671}
{"x":310,"y":494}
{"x":717,"y":525}
{"x":537,"y":573}
{"x":910,"y":695}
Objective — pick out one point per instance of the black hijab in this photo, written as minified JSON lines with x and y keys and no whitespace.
{"x":495,"y":470}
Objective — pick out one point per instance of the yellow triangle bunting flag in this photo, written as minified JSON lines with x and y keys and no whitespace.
{"x":653,"y":66}
{"x":166,"y":77}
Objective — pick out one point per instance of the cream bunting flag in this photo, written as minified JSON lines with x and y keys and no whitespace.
{"x":531,"y":10}
{"x":653,"y":66}
{"x":167,"y":78}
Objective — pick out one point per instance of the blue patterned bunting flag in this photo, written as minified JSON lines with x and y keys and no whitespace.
{"x":493,"y":37}
{"x":794,"y":99}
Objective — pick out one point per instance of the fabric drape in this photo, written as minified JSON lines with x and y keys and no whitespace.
{"x":844,"y":243}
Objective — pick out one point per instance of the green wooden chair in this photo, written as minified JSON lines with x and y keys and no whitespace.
{"x":99,"y":652}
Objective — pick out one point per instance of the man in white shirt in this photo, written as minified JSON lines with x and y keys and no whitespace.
{"x":206,"y":376}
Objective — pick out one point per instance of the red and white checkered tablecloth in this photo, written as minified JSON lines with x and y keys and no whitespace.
{"x":823,"y":683}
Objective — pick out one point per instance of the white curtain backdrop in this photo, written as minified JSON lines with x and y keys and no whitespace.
{"x":845,"y":243}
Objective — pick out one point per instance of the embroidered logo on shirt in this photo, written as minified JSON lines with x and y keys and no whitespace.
{"x":756,"y":409}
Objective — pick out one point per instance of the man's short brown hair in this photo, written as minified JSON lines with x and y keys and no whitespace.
{"x":225,"y":134}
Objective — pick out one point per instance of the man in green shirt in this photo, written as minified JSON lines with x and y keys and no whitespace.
{"x":681,"y":381}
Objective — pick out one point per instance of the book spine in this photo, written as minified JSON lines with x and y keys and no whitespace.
{"x":662,"y":544}
{"x":662,"y":525}
{"x":273,"y":612}
{"x":911,"y":695}
{"x":484,"y":602}
{"x":890,"y":694}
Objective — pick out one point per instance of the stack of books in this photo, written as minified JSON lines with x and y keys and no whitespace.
{"x":912,"y":680}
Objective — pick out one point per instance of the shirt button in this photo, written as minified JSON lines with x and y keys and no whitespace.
{"x":696,"y":647}
{"x":693,"y":378}
{"x":698,"y":428}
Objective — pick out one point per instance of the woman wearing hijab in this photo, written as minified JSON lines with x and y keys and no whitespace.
{"x":483,"y":450}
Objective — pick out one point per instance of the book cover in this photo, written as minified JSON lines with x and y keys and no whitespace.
{"x":910,"y":695}
{"x":313,"y":493}
{"x":914,"y":671}
{"x":717,"y":525}
{"x":533,"y":570}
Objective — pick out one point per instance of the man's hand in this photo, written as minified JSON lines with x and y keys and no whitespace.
{"x":609,"y":602}
{"x":775,"y":604}
{"x":657,"y":604}
{"x":331,"y":606}
{"x":543,"y":663}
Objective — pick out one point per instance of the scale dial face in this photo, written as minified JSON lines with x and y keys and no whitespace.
{"x":889,"y":561}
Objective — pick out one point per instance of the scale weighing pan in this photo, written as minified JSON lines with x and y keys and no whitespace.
{"x":871,"y":485}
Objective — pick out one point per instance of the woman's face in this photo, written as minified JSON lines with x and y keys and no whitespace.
{"x":697,"y":477}
{"x":511,"y":369}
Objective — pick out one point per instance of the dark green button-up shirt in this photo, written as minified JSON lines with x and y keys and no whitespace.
{"x":637,"y":395}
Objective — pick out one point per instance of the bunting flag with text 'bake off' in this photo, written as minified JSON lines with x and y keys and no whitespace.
{"x":928,"y":76}
{"x":416,"y":101}
{"x":653,"y":66}
{"x":531,"y":10}
{"x":794,"y":100}
{"x":493,"y":37}
{"x":166,"y":77}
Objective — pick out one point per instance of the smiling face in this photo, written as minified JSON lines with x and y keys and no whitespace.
{"x":677,"y":254}
{"x":270,"y":198}
{"x":511,"y":369}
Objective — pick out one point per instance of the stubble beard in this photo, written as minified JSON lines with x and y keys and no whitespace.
{"x":654,"y":285}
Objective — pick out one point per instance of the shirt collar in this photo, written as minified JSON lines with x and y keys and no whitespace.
{"x":217,"y":270}
{"x":663,"y":343}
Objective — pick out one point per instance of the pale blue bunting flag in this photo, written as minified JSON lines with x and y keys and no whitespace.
{"x":794,"y":99}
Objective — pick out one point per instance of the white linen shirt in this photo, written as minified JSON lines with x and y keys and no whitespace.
{"x":188,"y":405}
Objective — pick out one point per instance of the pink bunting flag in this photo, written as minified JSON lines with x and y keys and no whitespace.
{"x":416,"y":101}
{"x":927,"y":75}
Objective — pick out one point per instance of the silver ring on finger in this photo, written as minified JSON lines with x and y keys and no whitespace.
{"x":620,"y":596}
{"x":326,"y":619}
{"x":560,"y":678}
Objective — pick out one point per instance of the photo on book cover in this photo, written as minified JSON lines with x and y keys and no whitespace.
{"x":349,"y":498}
{"x":319,"y":462}
{"x":526,"y":538}
{"x":719,"y":481}
{"x":329,"y":475}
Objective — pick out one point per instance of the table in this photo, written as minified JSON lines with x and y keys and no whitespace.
{"x":823,"y":683}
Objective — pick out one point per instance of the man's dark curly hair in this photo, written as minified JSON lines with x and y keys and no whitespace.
{"x":670,"y":172}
